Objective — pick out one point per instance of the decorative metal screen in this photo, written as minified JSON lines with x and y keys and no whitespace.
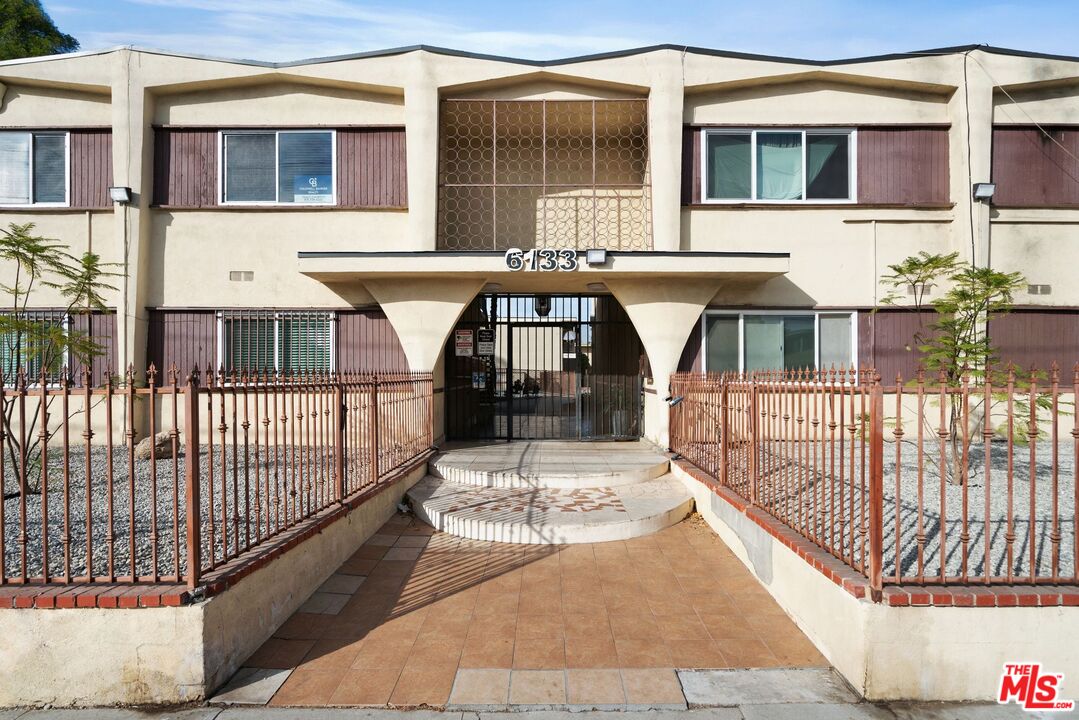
{"x":544,"y":173}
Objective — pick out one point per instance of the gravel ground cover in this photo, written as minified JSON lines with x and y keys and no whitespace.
{"x":281,"y":487}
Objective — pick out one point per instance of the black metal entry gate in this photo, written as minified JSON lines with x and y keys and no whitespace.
{"x":544,"y":367}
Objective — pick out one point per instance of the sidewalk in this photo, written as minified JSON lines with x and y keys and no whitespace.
{"x":773,"y":711}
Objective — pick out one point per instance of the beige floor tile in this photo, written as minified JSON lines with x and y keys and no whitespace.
{"x":277,"y":653}
{"x":653,"y":686}
{"x":594,"y":687}
{"x":483,"y":652}
{"x":428,"y":685}
{"x":332,"y":654}
{"x":538,"y":687}
{"x":481,"y":687}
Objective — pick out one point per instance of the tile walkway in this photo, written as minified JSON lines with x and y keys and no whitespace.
{"x":423,"y":618}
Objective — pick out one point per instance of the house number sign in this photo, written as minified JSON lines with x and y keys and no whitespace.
{"x":541,"y":259}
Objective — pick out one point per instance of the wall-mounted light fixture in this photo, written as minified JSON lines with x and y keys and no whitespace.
{"x":596,"y":287}
{"x":595,"y":256}
{"x":983,"y":192}
{"x":120,"y":195}
{"x":491,"y":287}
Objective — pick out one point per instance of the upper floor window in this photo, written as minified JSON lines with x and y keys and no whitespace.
{"x":783,"y":340}
{"x":779,"y":166}
{"x":278,"y":167}
{"x":33,"y":168}
{"x":262,"y":341}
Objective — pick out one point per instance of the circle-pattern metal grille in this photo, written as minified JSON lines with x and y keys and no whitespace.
{"x":544,"y":173}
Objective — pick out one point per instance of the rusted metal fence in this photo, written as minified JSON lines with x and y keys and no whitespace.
{"x":236,"y":460}
{"x":927,"y":482}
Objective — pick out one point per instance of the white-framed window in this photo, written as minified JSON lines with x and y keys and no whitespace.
{"x":780,"y":165}
{"x":27,"y":348}
{"x":33,"y":168}
{"x":778,"y":340}
{"x":278,"y":167}
{"x":276,"y":340}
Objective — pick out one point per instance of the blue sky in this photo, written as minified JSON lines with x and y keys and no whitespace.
{"x":818,"y":29}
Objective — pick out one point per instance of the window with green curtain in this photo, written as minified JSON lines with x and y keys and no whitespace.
{"x":27,"y":349}
{"x":729,"y":161}
{"x":721,"y":343}
{"x":763,"y":342}
{"x":827,"y":166}
{"x":249,"y":343}
{"x":799,"y":335}
{"x":779,"y":165}
{"x":305,"y":342}
{"x":50,"y":168}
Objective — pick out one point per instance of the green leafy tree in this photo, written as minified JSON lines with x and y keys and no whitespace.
{"x":954,"y":345}
{"x":26,"y":30}
{"x":34,"y":348}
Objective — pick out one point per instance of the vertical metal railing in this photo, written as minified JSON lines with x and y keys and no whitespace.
{"x":927,"y":482}
{"x":236,"y":459}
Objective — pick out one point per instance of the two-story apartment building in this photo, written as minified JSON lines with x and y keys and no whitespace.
{"x":674,"y":208}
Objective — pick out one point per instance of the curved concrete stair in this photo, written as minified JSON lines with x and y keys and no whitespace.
{"x":551,"y":516}
{"x":547,"y":465}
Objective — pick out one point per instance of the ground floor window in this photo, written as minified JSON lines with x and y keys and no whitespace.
{"x":31,"y":341}
{"x":283,"y":341}
{"x":778,"y":340}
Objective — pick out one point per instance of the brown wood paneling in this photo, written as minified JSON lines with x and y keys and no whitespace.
{"x":1032,"y":169}
{"x":101,"y":329}
{"x":367,"y":342}
{"x":691,"y":165}
{"x":886,"y":342}
{"x":1037,"y":339}
{"x":185,"y":167}
{"x":184,"y":338}
{"x":371,"y":169}
{"x":90,"y":173}
{"x":903,"y":165}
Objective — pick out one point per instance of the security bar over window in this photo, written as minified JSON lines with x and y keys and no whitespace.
{"x":29,"y":344}
{"x":281,"y":341}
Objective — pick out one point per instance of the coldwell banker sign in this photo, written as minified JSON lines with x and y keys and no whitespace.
{"x":312,"y":189}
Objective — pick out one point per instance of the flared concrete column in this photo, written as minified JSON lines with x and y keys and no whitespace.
{"x":664,"y":312}
{"x":423,"y":312}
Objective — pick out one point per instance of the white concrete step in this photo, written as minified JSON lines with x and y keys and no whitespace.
{"x":551,"y":516}
{"x":550,"y":464}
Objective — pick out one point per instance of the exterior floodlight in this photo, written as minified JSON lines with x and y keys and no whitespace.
{"x":120,"y":195}
{"x":983,"y":192}
{"x":595,"y":257}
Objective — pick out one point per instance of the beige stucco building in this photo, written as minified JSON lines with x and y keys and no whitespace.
{"x":354,"y":212}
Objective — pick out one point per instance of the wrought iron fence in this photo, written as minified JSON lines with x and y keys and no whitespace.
{"x":926,"y":482}
{"x":544,"y":173}
{"x":236,"y":460}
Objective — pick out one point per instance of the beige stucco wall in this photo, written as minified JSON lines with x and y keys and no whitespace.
{"x":279,"y":102}
{"x":192,"y":253}
{"x":85,"y":656}
{"x":893,"y":653}
{"x":819,"y":102}
{"x":1057,"y":104}
{"x":36,"y":106}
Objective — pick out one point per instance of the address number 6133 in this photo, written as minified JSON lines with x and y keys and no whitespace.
{"x":541,"y":259}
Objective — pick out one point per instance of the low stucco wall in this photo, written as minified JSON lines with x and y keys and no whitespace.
{"x":169,"y":655}
{"x":894,"y":653}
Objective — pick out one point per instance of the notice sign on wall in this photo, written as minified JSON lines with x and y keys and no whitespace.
{"x":462,"y":341}
{"x":312,"y":189}
{"x":485,"y":341}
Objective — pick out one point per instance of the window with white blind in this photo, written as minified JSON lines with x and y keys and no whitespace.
{"x":278,"y":167}
{"x":30,"y":344}
{"x":33,"y":168}
{"x":779,"y":166}
{"x":284,"y":341}
{"x":779,"y":340}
